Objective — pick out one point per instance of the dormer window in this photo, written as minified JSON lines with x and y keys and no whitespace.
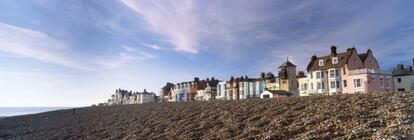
{"x":321,"y":62}
{"x":335,"y":60}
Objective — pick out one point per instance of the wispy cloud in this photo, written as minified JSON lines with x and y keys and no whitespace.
{"x":34,"y":44}
{"x":38,"y":45}
{"x":145,"y":55}
{"x":185,"y":24}
{"x":172,"y":19}
{"x":130,"y":54}
{"x":128,"y":48}
{"x":137,"y":53}
{"x":152,"y":46}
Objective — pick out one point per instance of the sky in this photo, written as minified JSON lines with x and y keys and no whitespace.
{"x":72,"y":53}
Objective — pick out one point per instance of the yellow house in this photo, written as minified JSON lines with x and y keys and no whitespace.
{"x":404,"y":83}
{"x":404,"y":78}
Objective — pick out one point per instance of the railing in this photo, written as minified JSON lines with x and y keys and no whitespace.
{"x":368,"y":71}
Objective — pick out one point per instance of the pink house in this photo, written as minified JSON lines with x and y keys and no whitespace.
{"x":345,"y":72}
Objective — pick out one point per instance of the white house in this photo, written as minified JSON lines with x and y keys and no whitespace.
{"x":221,"y":91}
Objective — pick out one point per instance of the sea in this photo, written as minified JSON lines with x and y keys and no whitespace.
{"x":16,"y":111}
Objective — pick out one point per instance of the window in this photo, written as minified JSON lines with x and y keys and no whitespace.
{"x":304,"y":87}
{"x":343,"y":69}
{"x":219,"y":90}
{"x":399,"y":80}
{"x":335,"y":60}
{"x":381,"y":83}
{"x":311,"y":74}
{"x":321,"y":62}
{"x":323,"y":85}
{"x":332,"y":73}
{"x":357,"y":83}
{"x":311,"y":86}
{"x":322,"y":74}
{"x":336,"y":72}
{"x":318,"y":86}
{"x":338,"y":84}
{"x":345,"y":83}
{"x":318,"y":75}
{"x":333,"y":84}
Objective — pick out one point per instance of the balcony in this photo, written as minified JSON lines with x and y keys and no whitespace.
{"x":368,"y":71}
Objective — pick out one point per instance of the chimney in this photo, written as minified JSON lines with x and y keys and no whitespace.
{"x":400,"y":67}
{"x":301,"y":74}
{"x":369,"y":51}
{"x":333,"y":50}
{"x":313,"y":58}
{"x":262,"y":75}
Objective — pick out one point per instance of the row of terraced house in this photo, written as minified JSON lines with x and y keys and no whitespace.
{"x":267,"y":85}
{"x":347,"y":72}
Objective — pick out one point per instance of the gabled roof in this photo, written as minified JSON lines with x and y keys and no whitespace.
{"x":168,"y":86}
{"x":342,"y":61}
{"x":213,"y":83}
{"x":202,"y":85}
{"x":363,"y":56}
{"x":287,"y":64}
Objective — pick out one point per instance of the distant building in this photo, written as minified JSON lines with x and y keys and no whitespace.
{"x":248,"y":87}
{"x":122,"y":97}
{"x":232,"y":89}
{"x":207,"y":90}
{"x":404,"y":78}
{"x":271,"y":82}
{"x":181,"y":92}
{"x":166,"y":92}
{"x":287,"y":78}
{"x":221,"y":91}
{"x":346,"y":72}
{"x":303,"y":83}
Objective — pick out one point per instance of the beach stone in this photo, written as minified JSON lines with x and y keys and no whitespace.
{"x":352,"y":116}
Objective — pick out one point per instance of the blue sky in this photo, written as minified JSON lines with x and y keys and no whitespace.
{"x":77,"y":52}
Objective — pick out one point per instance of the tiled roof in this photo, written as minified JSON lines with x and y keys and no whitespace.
{"x":342,"y":60}
{"x":213,"y":83}
{"x":202,"y":85}
{"x":363,"y":56}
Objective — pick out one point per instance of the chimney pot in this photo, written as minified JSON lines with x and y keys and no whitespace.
{"x":313,"y":58}
{"x":333,"y":49}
